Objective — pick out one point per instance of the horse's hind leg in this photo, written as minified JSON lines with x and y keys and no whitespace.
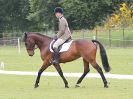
{"x":99,"y":69}
{"x":58,"y":68}
{"x":86,"y":70}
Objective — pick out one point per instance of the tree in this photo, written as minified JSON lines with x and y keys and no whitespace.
{"x":3,"y":19}
{"x":81,"y":14}
{"x":13,"y":15}
{"x":38,"y":15}
{"x":86,"y":13}
{"x":42,"y":13}
{"x":123,"y":17}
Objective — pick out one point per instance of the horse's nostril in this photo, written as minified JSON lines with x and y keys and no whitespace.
{"x":30,"y":55}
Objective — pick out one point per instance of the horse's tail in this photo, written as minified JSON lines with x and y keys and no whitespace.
{"x":103,"y":55}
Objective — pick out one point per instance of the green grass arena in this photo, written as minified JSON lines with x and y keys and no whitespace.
{"x":21,"y":87}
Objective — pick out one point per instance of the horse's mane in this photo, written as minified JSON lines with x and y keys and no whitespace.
{"x":40,"y":34}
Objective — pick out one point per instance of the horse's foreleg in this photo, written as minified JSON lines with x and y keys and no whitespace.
{"x":99,"y":70}
{"x":39,"y":75}
{"x":58,"y":68}
{"x":86,"y":70}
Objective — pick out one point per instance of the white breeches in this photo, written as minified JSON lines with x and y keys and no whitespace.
{"x":58,"y":42}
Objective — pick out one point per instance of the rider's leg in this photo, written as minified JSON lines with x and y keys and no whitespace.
{"x":57,"y":43}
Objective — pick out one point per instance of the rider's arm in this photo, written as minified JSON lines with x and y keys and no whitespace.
{"x":62,"y":28}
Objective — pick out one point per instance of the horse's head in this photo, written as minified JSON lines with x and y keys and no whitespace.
{"x":29,"y":43}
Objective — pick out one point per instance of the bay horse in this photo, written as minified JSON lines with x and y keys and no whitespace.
{"x":79,"y":48}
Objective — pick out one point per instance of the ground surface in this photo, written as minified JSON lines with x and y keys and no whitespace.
{"x":21,"y":87}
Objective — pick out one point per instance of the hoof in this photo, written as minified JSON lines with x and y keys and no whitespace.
{"x":66,"y":86}
{"x":106,"y":86}
{"x":36,"y":86}
{"x":77,"y":85}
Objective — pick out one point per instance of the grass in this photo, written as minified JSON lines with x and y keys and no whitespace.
{"x":116,"y":36}
{"x":114,"y":33}
{"x":120,"y":60}
{"x":21,"y":87}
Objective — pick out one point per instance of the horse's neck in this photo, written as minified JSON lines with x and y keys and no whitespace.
{"x":42,"y":41}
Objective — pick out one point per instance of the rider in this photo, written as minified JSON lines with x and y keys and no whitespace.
{"x":62,"y":35}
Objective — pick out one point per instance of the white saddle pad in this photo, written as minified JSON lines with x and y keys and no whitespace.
{"x":64,"y":47}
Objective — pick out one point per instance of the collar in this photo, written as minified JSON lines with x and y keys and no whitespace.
{"x":61,"y":17}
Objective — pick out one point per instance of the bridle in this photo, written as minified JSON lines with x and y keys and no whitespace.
{"x":32,"y":48}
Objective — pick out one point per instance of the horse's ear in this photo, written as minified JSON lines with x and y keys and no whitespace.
{"x":24,"y":36}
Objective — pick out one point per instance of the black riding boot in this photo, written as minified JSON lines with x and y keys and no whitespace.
{"x":56,"y":56}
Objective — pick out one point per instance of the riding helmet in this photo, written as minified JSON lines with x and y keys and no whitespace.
{"x":58,"y":9}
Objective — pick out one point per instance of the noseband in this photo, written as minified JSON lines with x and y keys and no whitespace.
{"x":32,"y":48}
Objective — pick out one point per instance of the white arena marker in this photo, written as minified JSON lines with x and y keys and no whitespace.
{"x":2,"y":65}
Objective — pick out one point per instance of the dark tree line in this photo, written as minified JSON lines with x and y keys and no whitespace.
{"x":38,"y":15}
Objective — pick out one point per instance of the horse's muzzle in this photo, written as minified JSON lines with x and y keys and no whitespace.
{"x":31,"y":53}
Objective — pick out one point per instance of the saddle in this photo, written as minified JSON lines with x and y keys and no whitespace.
{"x":62,"y":48}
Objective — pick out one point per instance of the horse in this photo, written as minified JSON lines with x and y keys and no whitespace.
{"x":79,"y":48}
